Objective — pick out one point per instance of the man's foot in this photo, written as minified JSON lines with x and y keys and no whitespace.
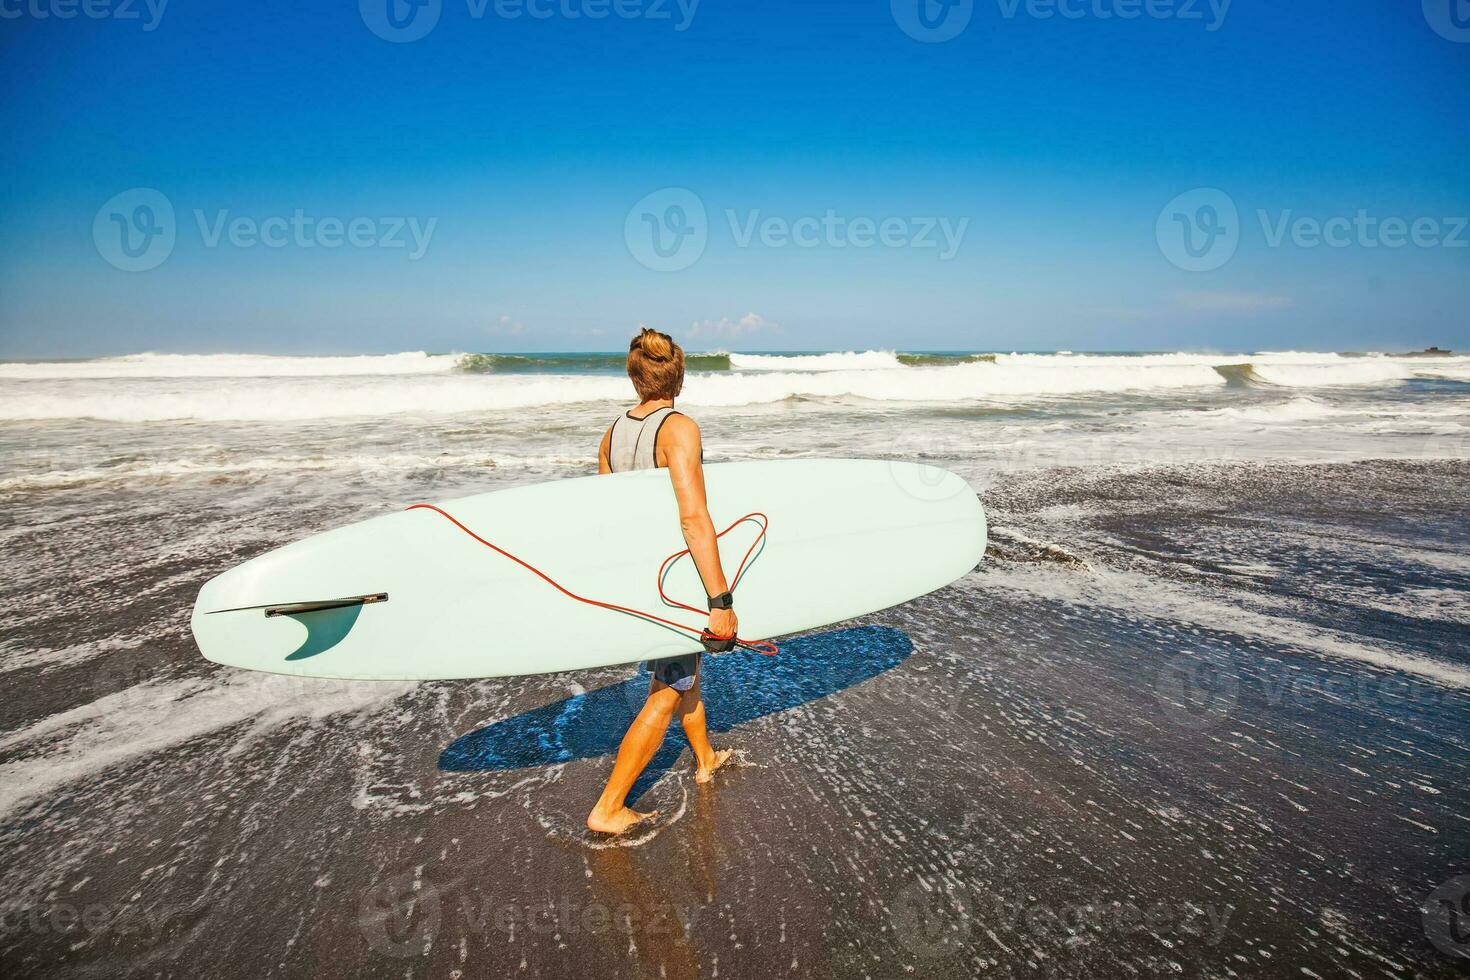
{"x":703,"y":775}
{"x":617,"y":823}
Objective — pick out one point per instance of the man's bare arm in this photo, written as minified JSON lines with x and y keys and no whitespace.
{"x":679,"y":444}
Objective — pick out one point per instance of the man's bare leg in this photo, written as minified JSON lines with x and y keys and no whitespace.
{"x":691,"y":716}
{"x":611,"y":815}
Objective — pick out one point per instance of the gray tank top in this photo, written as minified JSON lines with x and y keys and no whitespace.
{"x":634,"y":442}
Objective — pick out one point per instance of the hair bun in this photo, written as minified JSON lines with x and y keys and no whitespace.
{"x":653,"y":345}
{"x":655,"y":365}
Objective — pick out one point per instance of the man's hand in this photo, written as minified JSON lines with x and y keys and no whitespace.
{"x":723,"y":623}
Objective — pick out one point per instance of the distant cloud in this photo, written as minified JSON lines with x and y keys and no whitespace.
{"x":724,"y":327}
{"x":1227,"y":302}
{"x":508,"y":325}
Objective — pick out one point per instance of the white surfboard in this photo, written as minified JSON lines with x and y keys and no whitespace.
{"x":410,"y":596}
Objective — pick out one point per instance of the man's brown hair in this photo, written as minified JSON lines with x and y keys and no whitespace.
{"x":655,"y":365}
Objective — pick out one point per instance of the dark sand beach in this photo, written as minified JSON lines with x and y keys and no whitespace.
{"x":1205,"y":720}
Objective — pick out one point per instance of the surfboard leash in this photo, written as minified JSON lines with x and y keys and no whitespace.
{"x":705,"y":636}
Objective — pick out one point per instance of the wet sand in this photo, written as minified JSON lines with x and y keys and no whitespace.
{"x":1205,"y":721}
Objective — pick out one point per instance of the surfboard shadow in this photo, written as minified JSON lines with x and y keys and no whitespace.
{"x":737,"y":687}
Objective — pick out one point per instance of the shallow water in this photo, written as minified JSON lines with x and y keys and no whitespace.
{"x":1205,"y":709}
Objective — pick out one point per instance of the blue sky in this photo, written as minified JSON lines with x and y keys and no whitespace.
{"x":1060,"y":152}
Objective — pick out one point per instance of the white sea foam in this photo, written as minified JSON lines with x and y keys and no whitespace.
{"x":13,"y":657}
{"x":150,"y":718}
{"x":1344,"y":371}
{"x":1147,"y":596}
{"x":303,"y":400}
{"x":1455,"y":369}
{"x":250,"y":388}
{"x":1295,"y":410}
{"x":1363,"y":416}
{"x":872,"y":360}
{"x":232,"y":366}
{"x":147,"y":472}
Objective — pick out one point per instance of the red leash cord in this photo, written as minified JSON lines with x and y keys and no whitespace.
{"x":760,"y":646}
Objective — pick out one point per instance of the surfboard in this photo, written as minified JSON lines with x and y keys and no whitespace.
{"x":411,"y":596}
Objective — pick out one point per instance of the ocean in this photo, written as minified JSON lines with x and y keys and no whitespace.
{"x":1204,"y":709}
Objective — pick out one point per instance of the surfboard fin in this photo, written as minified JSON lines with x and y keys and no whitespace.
{"x":296,"y":608}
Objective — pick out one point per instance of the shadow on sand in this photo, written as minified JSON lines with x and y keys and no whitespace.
{"x":737,"y":687}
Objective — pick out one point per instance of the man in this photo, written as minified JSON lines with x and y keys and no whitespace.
{"x":653,"y":435}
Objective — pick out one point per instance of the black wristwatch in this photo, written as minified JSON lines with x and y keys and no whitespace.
{"x":725,"y":600}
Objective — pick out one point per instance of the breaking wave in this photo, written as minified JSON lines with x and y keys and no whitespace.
{"x":227,"y":387}
{"x":572,"y":363}
{"x":230,"y":366}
